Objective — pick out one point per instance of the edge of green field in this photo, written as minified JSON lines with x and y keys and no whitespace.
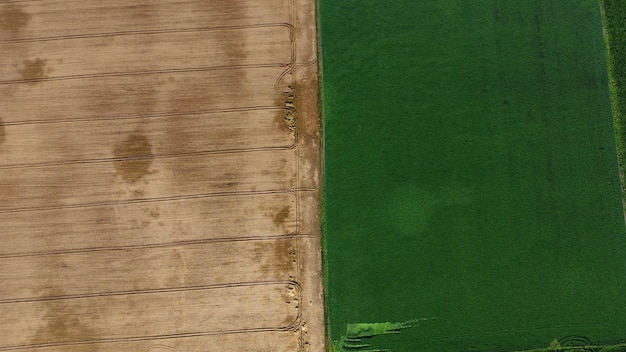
{"x":614,"y":19}
{"x":322,"y":210}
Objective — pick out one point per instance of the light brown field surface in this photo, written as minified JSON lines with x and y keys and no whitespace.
{"x":203,"y":132}
{"x":169,"y":221}
{"x":142,"y":95}
{"x":159,"y":176}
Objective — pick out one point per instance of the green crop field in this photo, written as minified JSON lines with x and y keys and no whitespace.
{"x":472,"y":194}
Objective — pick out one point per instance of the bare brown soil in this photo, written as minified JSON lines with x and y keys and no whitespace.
{"x":159,"y":176}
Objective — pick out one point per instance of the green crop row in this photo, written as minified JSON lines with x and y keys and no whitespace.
{"x":614,"y":15}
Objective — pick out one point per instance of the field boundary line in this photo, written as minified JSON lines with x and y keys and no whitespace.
{"x":301,"y":113}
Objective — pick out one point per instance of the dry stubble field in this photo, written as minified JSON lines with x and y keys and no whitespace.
{"x":156,"y":194}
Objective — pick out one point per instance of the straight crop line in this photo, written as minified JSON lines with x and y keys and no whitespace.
{"x":149,"y":291}
{"x":150,"y":200}
{"x":148,"y":32}
{"x":16,"y":1}
{"x":145,"y":73}
{"x":291,"y":235}
{"x":288,"y":328}
{"x":149,"y":157}
{"x":144,"y":116}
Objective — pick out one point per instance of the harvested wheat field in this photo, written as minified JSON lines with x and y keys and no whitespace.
{"x":159,"y":176}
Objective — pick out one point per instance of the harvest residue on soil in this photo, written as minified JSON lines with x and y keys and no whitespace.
{"x":291,"y":115}
{"x":283,"y":256}
{"x":34,"y":70}
{"x":138,"y":149}
{"x":62,"y":324}
{"x":281,"y":216}
{"x":13,"y":18}
{"x":286,"y":117}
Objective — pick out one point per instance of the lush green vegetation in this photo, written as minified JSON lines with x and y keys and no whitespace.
{"x":471,"y":174}
{"x":357,"y":335}
{"x":614,"y":12}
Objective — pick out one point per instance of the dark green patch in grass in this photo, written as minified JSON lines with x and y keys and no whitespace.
{"x":471,"y":173}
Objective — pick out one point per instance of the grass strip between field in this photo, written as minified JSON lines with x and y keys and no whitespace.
{"x":614,"y":15}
